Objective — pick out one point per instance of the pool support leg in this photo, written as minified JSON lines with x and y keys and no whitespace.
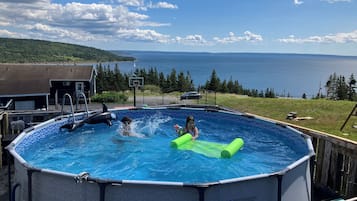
{"x":280,"y":179}
{"x":102,"y":185}
{"x":102,"y":191}
{"x":13,"y":195}
{"x":9,"y":171}
{"x":30,"y":170}
{"x":201,"y":191}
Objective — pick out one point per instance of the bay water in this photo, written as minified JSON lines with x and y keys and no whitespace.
{"x":288,"y":74}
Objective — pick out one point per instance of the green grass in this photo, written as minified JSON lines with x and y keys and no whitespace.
{"x":328,"y":116}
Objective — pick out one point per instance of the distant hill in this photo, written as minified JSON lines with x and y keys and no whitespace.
{"x":39,"y":51}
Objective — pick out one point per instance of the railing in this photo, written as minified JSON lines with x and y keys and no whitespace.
{"x":7,"y":106}
{"x":71,"y":104}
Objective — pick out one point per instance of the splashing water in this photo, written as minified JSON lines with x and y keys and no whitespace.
{"x":152,"y":125}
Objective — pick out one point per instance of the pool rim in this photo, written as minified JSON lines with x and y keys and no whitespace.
{"x":211,"y":108}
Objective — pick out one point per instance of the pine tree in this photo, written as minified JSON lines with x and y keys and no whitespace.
{"x":331,"y":87}
{"x":162,"y":80}
{"x":189,"y":82}
{"x":223,"y":87}
{"x":173,"y":81}
{"x":351,"y":87}
{"x":181,"y":82}
{"x":342,"y":88}
{"x":230,"y":86}
{"x":100,"y":78}
{"x":214,"y":81}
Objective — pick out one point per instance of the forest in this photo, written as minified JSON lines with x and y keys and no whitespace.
{"x":40,"y":51}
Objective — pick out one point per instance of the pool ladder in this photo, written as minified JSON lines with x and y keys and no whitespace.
{"x":79,"y":94}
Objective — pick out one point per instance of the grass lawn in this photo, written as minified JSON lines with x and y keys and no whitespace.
{"x":328,"y":116}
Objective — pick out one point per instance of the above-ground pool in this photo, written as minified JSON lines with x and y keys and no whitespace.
{"x":96,"y":162}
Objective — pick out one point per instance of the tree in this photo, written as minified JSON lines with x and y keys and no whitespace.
{"x":214,"y":81}
{"x":331,"y":87}
{"x":351,"y":88}
{"x":223,"y":87}
{"x":182,"y":85}
{"x":338,"y":89}
{"x":230,"y":86}
{"x":304,"y":96}
{"x":100,"y":78}
{"x":162,"y":81}
{"x":172,"y":80}
{"x":189,"y":82}
{"x":342,"y":88}
{"x":269,"y":93}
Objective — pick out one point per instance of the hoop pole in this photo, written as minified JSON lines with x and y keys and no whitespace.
{"x":135,"y":96}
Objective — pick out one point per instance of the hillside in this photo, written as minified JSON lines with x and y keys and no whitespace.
{"x":34,"y":51}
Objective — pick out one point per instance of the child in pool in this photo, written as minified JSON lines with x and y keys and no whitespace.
{"x":126,"y":129}
{"x":189,"y":128}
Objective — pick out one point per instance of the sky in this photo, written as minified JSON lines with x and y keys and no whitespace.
{"x":263,"y":26}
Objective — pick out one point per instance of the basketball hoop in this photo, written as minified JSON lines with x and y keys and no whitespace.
{"x":136,"y":82}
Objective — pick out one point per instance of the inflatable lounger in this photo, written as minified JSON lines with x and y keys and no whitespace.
{"x":210,"y":149}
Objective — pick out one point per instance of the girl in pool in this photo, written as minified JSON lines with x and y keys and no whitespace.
{"x":189,"y":128}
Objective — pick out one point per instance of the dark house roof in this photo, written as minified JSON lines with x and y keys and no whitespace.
{"x":35,"y":79}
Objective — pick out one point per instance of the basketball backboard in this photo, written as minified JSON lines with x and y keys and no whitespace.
{"x":136,"y":82}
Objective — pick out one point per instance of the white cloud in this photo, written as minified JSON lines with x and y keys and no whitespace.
{"x":164,"y":5}
{"x":8,"y":34}
{"x":142,"y":35}
{"x":55,"y":32}
{"x":232,"y":38}
{"x":141,"y":5}
{"x":25,"y":1}
{"x":337,"y":1}
{"x":195,"y":39}
{"x":350,"y":37}
{"x":79,"y":22}
{"x":4,"y":22}
{"x":135,"y":3}
{"x":298,"y":2}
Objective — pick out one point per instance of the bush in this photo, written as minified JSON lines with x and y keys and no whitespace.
{"x":110,"y":97}
{"x":152,"y":88}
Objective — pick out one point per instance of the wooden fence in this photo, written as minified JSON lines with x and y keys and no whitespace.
{"x":335,"y":162}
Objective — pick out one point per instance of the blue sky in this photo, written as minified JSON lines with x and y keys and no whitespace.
{"x":277,"y":26}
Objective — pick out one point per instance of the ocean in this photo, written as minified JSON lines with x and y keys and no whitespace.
{"x":288,"y":74}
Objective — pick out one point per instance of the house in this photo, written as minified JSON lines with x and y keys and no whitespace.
{"x":36,"y":86}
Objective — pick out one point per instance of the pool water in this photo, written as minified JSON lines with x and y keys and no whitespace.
{"x":104,"y":153}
